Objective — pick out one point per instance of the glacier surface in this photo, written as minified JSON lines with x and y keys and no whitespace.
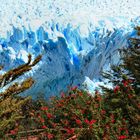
{"x":75,"y":43}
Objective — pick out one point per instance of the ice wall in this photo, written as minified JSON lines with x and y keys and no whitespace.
{"x":78,"y":39}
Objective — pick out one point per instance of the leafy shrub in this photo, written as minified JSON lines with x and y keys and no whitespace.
{"x":78,"y":115}
{"x":10,"y":103}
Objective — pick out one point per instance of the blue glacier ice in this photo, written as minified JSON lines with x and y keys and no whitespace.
{"x":76,"y":44}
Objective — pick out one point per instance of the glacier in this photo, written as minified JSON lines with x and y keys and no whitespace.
{"x":74,"y":51}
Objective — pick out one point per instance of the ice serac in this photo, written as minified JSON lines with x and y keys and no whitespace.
{"x":69,"y":57}
{"x":78,"y":39}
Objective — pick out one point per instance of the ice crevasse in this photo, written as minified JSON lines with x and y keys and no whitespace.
{"x":74,"y":52}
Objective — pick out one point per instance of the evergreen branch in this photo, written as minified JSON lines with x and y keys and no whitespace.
{"x":15,"y":73}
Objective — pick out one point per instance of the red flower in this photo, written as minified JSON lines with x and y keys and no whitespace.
{"x":73,"y":95}
{"x":13,"y":132}
{"x":121,"y":129}
{"x":126,"y":131}
{"x":54,"y":125}
{"x":42,"y":120}
{"x":65,"y":114}
{"x":50,"y":136}
{"x":83,"y":111}
{"x":88,"y":102}
{"x":116,"y":89}
{"x":103,"y":112}
{"x":62,"y":95}
{"x":49,"y":115}
{"x":96,"y":105}
{"x":130,"y":96}
{"x":125,"y":83}
{"x":70,"y":131}
{"x":74,"y":88}
{"x":113,"y":121}
{"x":44,"y":127}
{"x":80,"y":93}
{"x":86,"y":121}
{"x":107,"y":126}
{"x":61,"y":101}
{"x":122,"y":137}
{"x":59,"y":105}
{"x":98,"y":98}
{"x":130,"y":80}
{"x":44,"y":108}
{"x":78,"y":122}
{"x":90,"y":122}
{"x":112,"y":115}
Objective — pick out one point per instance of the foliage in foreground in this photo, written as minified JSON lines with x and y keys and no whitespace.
{"x":126,"y":81}
{"x":10,"y":103}
{"x":77,"y":115}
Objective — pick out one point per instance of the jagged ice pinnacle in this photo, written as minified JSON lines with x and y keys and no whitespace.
{"x":76,"y":44}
